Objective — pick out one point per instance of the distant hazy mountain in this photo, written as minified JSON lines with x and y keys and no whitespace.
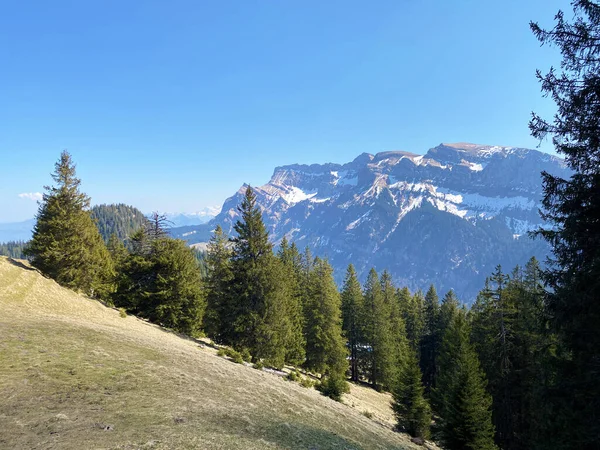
{"x":16,"y":231}
{"x":120,"y":219}
{"x":196,"y":218}
{"x":447,"y":217}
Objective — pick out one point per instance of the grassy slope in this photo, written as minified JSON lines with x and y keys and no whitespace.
{"x":73,"y":374}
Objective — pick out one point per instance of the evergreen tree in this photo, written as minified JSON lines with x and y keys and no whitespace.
{"x":175,"y":299}
{"x":392,"y":334}
{"x":13,"y":249}
{"x":218,"y":320}
{"x":134,"y":275}
{"x":259,"y":314}
{"x":410,"y":407}
{"x":430,"y":341}
{"x":413,"y":312}
{"x":460,"y":397}
{"x":493,"y":314}
{"x":507,"y":333}
{"x":352,"y":308}
{"x":377,"y":334}
{"x":325,"y":346}
{"x":292,"y":274}
{"x":66,"y":244}
{"x":572,"y":207}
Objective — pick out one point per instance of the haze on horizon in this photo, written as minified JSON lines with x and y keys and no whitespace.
{"x":172,"y":107}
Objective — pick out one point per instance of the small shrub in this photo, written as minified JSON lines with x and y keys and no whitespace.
{"x":246,"y":356}
{"x":293,"y":376}
{"x":307,"y":383}
{"x":221,"y":352}
{"x":333,"y":387}
{"x":122,"y":313}
{"x":258,"y":365}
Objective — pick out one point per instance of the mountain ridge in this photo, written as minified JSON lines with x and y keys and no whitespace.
{"x":361,"y":212}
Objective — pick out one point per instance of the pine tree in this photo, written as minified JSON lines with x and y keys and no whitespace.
{"x":493,"y":315}
{"x":430,"y":341}
{"x":352,"y":308}
{"x":325,"y":346}
{"x":292,"y":272}
{"x":572,"y":207}
{"x":448,"y":310}
{"x":412,"y":307}
{"x":507,"y":333}
{"x":220,"y":308}
{"x":392,"y":334}
{"x":377,"y":334}
{"x":66,"y":244}
{"x":412,"y":411}
{"x":175,"y":299}
{"x":135,"y":275}
{"x":460,"y":398}
{"x":259,"y":321}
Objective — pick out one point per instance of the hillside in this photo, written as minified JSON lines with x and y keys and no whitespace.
{"x":447,"y":217}
{"x":74,"y":374}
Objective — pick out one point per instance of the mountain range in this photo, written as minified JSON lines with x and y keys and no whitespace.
{"x":447,"y":217}
{"x":21,"y":231}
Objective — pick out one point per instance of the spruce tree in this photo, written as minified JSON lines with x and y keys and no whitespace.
{"x":412,"y":411}
{"x":377,"y":334}
{"x":412,"y":307}
{"x":325,"y":346}
{"x":460,"y":397}
{"x":393,"y":337}
{"x":66,"y":244}
{"x":352,"y":309}
{"x":430,"y":341}
{"x":175,"y":298}
{"x":258,"y":288}
{"x":220,"y":308}
{"x":295,"y":345}
{"x":572,"y":207}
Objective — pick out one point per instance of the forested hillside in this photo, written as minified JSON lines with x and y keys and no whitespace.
{"x":121,"y":220}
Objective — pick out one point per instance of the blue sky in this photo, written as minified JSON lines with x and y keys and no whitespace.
{"x":171,"y":106}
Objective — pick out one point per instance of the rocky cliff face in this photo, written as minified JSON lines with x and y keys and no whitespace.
{"x":446,"y":217}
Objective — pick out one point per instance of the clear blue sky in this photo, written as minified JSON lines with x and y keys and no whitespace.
{"x":172,"y":105}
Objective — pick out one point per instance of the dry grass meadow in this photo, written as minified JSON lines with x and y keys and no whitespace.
{"x":76,"y":375}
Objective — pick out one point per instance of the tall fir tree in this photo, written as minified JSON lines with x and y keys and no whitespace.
{"x":572,"y":207}
{"x":460,"y":397}
{"x":66,"y":244}
{"x":295,"y":346}
{"x":259,"y":318}
{"x":507,"y":326}
{"x":175,"y":298}
{"x":220,"y":306}
{"x":325,"y":346}
{"x":394,"y":349}
{"x":430,"y":340}
{"x":412,"y":307}
{"x":352,"y":310}
{"x":379,"y":361}
{"x":412,"y":410}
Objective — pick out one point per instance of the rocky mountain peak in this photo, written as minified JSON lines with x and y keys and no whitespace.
{"x":446,"y":217}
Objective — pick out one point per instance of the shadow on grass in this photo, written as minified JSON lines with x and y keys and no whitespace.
{"x":20,"y":264}
{"x":288,"y":435}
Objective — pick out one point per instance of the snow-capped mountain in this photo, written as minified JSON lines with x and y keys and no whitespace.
{"x":196,"y":218}
{"x":446,"y":217}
